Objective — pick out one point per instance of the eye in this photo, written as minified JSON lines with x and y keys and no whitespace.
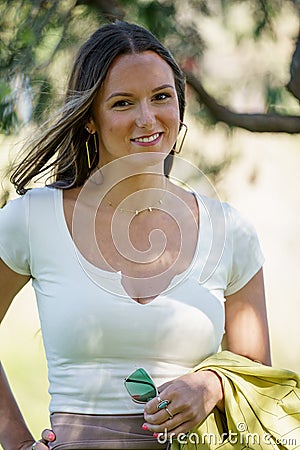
{"x":121,"y":104}
{"x":162,"y":96}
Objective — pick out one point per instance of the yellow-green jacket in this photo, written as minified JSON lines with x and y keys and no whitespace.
{"x":262,"y":408}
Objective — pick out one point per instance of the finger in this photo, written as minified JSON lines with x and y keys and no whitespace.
{"x":158,"y":418}
{"x":39,"y":445}
{"x":152,"y":406}
{"x":164,"y":386}
{"x":161,"y":414}
{"x":167,"y":414}
{"x":182,"y":422}
{"x":166,"y":424}
{"x":48,"y":435}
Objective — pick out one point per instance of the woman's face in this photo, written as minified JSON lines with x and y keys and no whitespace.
{"x":136,"y":109}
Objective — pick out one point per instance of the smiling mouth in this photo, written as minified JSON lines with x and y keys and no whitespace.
{"x":147,"y":139}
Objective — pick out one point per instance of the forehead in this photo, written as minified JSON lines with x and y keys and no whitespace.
{"x":145,"y":69}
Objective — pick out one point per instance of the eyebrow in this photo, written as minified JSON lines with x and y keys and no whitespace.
{"x":128,"y":94}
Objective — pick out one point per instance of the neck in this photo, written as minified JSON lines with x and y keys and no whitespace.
{"x":131,"y":190}
{"x":138,"y":193}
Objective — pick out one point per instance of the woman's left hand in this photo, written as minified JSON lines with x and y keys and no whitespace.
{"x":191,"y":398}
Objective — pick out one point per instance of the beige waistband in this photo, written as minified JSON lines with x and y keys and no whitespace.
{"x":91,"y":432}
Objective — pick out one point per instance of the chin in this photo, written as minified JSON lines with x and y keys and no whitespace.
{"x":147,"y":158}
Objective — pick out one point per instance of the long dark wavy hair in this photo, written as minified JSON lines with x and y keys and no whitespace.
{"x":60,"y":149}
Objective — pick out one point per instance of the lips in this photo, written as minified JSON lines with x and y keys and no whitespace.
{"x":146,"y":140}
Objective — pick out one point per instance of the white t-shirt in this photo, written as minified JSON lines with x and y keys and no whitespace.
{"x":94,"y":333}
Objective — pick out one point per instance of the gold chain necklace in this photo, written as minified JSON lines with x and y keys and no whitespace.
{"x":150,"y":208}
{"x":136,"y":212}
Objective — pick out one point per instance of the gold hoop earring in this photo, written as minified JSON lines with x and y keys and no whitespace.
{"x":89,"y":162}
{"x":183,"y":138}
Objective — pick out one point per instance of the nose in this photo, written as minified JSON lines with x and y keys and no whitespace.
{"x":145,"y":116}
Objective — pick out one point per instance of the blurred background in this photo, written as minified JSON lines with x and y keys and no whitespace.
{"x":242,"y":62}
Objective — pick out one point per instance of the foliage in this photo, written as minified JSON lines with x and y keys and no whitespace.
{"x":34,"y":34}
{"x":38,"y":38}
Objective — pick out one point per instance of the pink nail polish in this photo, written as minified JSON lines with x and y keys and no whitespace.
{"x":155,"y":435}
{"x":145,"y":427}
{"x":51,"y":436}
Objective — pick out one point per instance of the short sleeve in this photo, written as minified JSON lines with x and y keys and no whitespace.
{"x":246,"y":254}
{"x":14,"y":235}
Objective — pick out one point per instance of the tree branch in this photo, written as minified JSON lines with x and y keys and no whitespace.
{"x":252,"y":122}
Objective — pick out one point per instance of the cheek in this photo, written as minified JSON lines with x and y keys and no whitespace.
{"x":117,"y":125}
{"x":173,"y":113}
{"x":173,"y":120}
{"x":110,"y":129}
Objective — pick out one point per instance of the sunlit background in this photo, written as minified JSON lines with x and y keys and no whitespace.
{"x":261,"y":179}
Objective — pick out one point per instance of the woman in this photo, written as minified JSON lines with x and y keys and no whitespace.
{"x":116,"y":253}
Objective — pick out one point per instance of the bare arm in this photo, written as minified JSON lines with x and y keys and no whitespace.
{"x":246,"y":327}
{"x":14,"y":433}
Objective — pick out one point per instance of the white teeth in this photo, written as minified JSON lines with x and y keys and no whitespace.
{"x":148,"y":139}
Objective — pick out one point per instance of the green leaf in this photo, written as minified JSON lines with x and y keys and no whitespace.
{"x":26,"y":37}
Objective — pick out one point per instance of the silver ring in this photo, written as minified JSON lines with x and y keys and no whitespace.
{"x":169,"y":413}
{"x":34,"y":445}
{"x":159,"y":399}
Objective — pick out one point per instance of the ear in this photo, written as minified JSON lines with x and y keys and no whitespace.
{"x":90,"y":127}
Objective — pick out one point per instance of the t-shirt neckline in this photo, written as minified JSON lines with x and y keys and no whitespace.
{"x":201,"y":250}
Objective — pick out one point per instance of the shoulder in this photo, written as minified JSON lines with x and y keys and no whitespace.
{"x":15,"y":208}
{"x":32,"y":194}
{"x":19,"y":209}
{"x":41,"y":198}
{"x":226,"y":213}
{"x":42,"y":192}
{"x":238,"y":223}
